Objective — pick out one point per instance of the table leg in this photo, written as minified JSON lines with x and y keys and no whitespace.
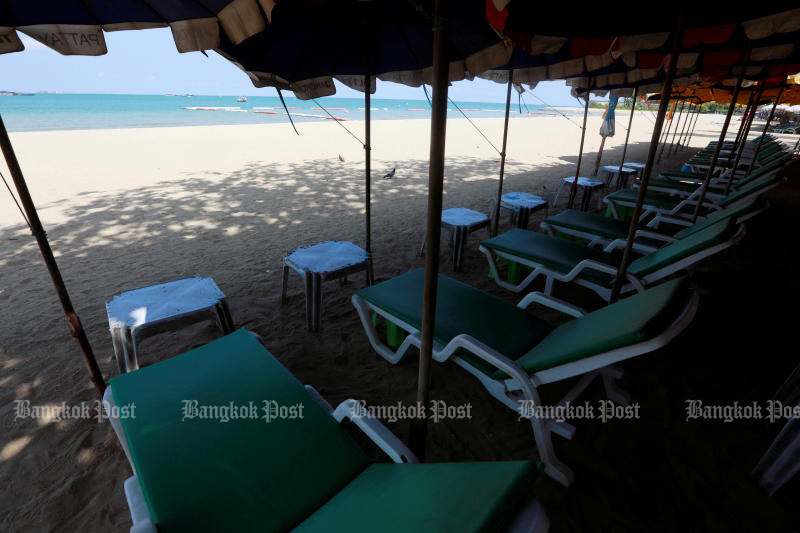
{"x":458,"y":243}
{"x":226,"y":316}
{"x":308,"y":285}
{"x":524,"y":215}
{"x":129,"y":348}
{"x":370,"y":274}
{"x":317,"y":301}
{"x":119,"y":351}
{"x":587,"y":195}
{"x":284,"y":283}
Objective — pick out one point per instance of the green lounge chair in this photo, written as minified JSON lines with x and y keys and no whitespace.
{"x":513,"y":353}
{"x":601,"y":231}
{"x":562,"y":260}
{"x":661,"y":203}
{"x":687,"y":187}
{"x":295,"y":471}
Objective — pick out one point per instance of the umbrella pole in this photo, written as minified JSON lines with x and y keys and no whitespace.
{"x":627,"y":136}
{"x":75,"y":326}
{"x":574,"y":189}
{"x":722,"y":134}
{"x":677,"y":127}
{"x":419,"y":427}
{"x":689,"y":115}
{"x":677,"y":38}
{"x":503,"y":153}
{"x":745,"y":119}
{"x":694,"y":124}
{"x":367,"y":154}
{"x":766,"y":128}
{"x":599,"y":156}
{"x":666,"y":135}
{"x":743,"y":142}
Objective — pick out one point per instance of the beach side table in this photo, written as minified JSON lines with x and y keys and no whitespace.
{"x":522,"y":205}
{"x":588,"y":185}
{"x":140,"y":313}
{"x":321,"y":262}
{"x":460,"y":222}
{"x":613,"y":171}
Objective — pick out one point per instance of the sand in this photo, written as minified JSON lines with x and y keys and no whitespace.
{"x":127,"y":208}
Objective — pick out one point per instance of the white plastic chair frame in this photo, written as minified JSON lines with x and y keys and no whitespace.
{"x":521,"y":386}
{"x":530,"y":518}
{"x":650,"y":231}
{"x":574,"y":275}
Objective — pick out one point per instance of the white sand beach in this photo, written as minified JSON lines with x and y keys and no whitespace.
{"x":132,"y":207}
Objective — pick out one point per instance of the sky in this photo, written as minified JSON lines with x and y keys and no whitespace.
{"x":146,"y":62}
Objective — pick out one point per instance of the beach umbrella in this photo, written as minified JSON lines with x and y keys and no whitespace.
{"x":73,"y":27}
{"x":308,"y":43}
{"x":606,"y":129}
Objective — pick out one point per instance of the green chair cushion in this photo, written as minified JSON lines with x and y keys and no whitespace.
{"x":712,"y":235}
{"x":623,"y":323}
{"x":241,"y":475}
{"x":731,"y":213}
{"x":754,"y":188}
{"x":660,"y":200}
{"x":558,"y":254}
{"x":401,"y":498}
{"x":460,"y":308}
{"x":591,"y":223}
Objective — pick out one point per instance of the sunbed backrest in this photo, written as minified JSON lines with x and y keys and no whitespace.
{"x":622,"y":323}
{"x":705,"y":238}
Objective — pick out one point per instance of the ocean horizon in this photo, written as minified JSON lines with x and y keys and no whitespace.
{"x":72,"y":111}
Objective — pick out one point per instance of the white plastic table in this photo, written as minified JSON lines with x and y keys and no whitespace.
{"x":140,"y":313}
{"x":460,"y":222}
{"x":522,"y":205}
{"x":588,"y":185}
{"x":613,"y":171}
{"x":320,"y":262}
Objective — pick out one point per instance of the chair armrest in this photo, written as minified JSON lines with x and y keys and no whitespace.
{"x":375,"y":430}
{"x":551,"y":302}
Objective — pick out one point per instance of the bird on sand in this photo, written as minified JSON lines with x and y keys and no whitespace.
{"x":341,"y":158}
{"x":389,"y":175}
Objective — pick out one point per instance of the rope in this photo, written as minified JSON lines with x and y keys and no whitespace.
{"x":476,"y":127}
{"x":554,"y":109}
{"x":15,"y":201}
{"x":339,"y":122}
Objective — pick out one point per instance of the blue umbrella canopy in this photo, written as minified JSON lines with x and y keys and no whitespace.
{"x":308,"y":43}
{"x":75,"y":27}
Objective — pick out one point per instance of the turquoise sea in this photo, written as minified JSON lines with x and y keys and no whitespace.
{"x":45,"y":111}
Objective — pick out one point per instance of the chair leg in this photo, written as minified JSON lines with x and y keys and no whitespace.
{"x":614,"y":393}
{"x":558,"y":193}
{"x":284,"y":283}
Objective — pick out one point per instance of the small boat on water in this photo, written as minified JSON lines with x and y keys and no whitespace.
{"x":241,"y":99}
